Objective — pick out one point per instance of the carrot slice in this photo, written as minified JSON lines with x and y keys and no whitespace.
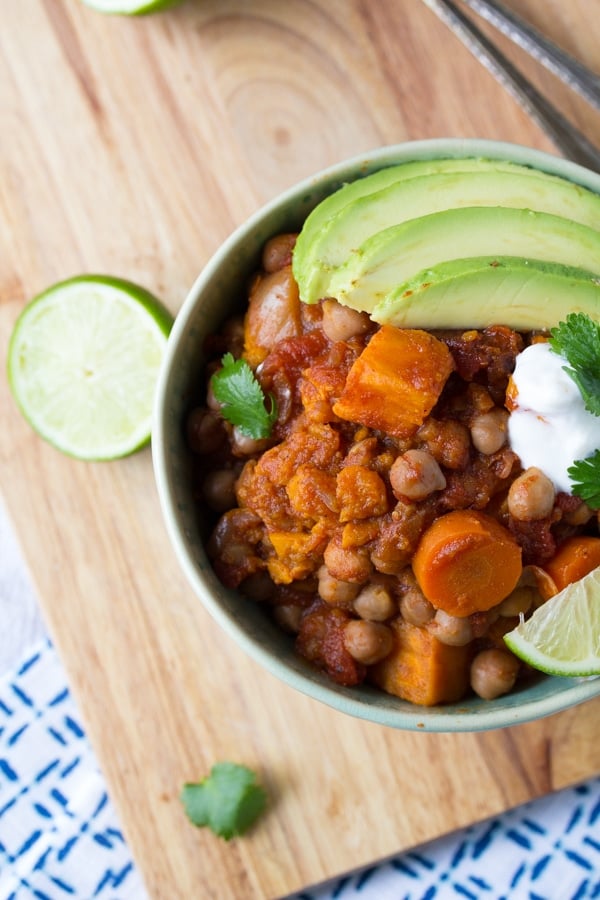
{"x":574,"y":558}
{"x":467,"y":562}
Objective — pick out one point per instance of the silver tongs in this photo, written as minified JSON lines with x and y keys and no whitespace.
{"x":568,"y":140}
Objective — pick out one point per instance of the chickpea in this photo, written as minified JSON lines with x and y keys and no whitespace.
{"x":448,"y":441}
{"x":389,"y":561}
{"x":416,"y":475}
{"x":347,"y":563}
{"x":452,"y":630}
{"x":493,"y":673}
{"x":367,"y":642}
{"x":243,"y":445}
{"x":375,"y":603}
{"x":415,"y":607}
{"x":205,"y":431}
{"x":333,"y":590}
{"x":277,"y":252}
{"x":258,"y":587}
{"x":288,"y":616}
{"x":219,"y":489}
{"x":235,"y":536}
{"x":211,"y":400}
{"x":453,"y":450}
{"x":531,"y":495}
{"x":341,"y":323}
{"x":488,"y":431}
{"x":520,"y":601}
{"x":579,"y":516}
{"x":233,"y":332}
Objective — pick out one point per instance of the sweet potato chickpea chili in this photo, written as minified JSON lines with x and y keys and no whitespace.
{"x":385,"y":522}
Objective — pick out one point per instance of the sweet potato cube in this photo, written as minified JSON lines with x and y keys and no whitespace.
{"x":421,"y":669}
{"x":316,"y":444}
{"x":396,"y":381}
{"x":297,"y":553}
{"x":311,"y":492}
{"x":358,"y":532}
{"x":361,"y":493}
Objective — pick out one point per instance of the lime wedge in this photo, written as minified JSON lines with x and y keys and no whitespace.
{"x":83,"y":360}
{"x":562,"y":637}
{"x":130,"y":7}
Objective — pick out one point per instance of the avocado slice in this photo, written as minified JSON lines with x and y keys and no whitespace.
{"x":475,"y":292}
{"x":395,"y":255}
{"x":320,"y":219}
{"x":421,"y":195}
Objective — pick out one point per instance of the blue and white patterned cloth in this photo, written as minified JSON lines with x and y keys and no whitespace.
{"x":60,"y":837}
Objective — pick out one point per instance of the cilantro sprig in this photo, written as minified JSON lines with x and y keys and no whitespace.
{"x":228,"y":801}
{"x":243,"y":401}
{"x":577,"y":339}
{"x":585,"y":479}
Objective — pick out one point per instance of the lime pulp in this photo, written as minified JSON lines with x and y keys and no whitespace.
{"x":562,"y":637}
{"x":83,"y":361}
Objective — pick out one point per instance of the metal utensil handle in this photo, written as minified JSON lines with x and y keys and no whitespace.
{"x":570,"y":70}
{"x":571,"y":142}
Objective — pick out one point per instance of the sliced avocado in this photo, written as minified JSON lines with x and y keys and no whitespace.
{"x":523,"y":294}
{"x":306,"y":250}
{"x":418,"y":196}
{"x":395,"y":255}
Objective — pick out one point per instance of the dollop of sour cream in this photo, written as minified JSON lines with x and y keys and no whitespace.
{"x":549,"y":426}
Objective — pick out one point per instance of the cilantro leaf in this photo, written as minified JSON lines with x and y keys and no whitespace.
{"x":228,"y":801}
{"x":585,"y":476}
{"x":578,"y":340}
{"x":242,"y":398}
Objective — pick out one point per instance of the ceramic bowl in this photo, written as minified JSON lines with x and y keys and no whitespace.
{"x":219,"y":290}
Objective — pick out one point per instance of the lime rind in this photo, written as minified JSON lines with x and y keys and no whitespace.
{"x":562,"y":637}
{"x":83,"y":361}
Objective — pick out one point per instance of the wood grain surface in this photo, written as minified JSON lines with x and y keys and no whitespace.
{"x":133,"y":147}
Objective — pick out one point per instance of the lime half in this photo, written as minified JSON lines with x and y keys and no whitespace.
{"x":562,"y":637}
{"x":130,"y":7}
{"x":83,"y":361}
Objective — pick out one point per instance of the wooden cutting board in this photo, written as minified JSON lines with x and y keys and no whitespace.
{"x":133,"y":147}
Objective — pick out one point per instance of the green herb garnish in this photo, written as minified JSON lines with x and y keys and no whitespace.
{"x":228,"y":801}
{"x":585,"y":478}
{"x":242,"y":398}
{"x":578,"y":340}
